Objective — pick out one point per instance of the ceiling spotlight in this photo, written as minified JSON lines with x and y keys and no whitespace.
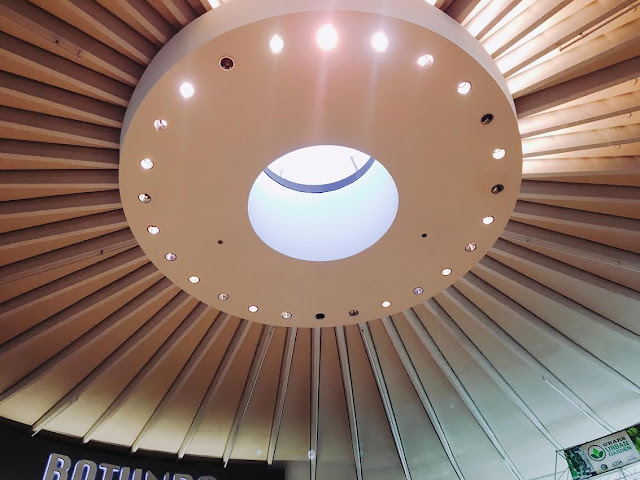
{"x":186,"y":90}
{"x":386,"y":304}
{"x":153,"y":230}
{"x":425,"y":61}
{"x":146,"y":163}
{"x":287,"y":315}
{"x":488,"y":220}
{"x":418,"y":291}
{"x":470,"y":247}
{"x":276,"y":44}
{"x":327,"y":37}
{"x":223,"y":296}
{"x":253,"y":308}
{"x":354,"y":313}
{"x":160,"y":124}
{"x":379,"y":42}
{"x":464,"y":88}
{"x":446,"y":272}
{"x":144,"y":197}
{"x":194,"y":279}
{"x":497,"y":188}
{"x":499,"y":153}
{"x":170,"y":257}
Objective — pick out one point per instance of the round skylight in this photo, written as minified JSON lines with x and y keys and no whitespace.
{"x":323,"y":203}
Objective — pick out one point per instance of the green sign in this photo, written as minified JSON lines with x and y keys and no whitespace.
{"x":605,"y":454}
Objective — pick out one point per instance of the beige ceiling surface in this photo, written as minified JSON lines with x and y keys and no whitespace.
{"x":536,"y":348}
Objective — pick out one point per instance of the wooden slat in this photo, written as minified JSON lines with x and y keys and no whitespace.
{"x":145,"y":18}
{"x":489,"y":16}
{"x":179,"y":9}
{"x":19,"y":155}
{"x":26,"y":60}
{"x":460,"y":10}
{"x":580,"y":167}
{"x":40,"y":28}
{"x":26,"y":125}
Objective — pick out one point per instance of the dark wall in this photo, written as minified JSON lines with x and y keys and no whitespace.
{"x":23,"y":457}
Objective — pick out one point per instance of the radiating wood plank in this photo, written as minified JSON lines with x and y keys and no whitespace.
{"x":21,"y":155}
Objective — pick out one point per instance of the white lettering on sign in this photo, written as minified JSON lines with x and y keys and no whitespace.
{"x":59,"y":468}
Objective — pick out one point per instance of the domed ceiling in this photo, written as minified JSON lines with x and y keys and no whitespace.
{"x":536,"y":348}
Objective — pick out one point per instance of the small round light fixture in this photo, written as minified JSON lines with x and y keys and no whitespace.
{"x":146,"y":163}
{"x":425,"y":61}
{"x":354,"y":313}
{"x":488,"y":220}
{"x":194,"y":279}
{"x":499,"y":153}
{"x":160,"y":124}
{"x":187,"y":90}
{"x":327,"y":37}
{"x":379,"y":42}
{"x":223,"y":297}
{"x":470,"y":247}
{"x":486,"y":119}
{"x":276,"y":44}
{"x":287,"y":315}
{"x":144,"y":197}
{"x":153,"y":230}
{"x":253,"y":308}
{"x":386,"y":304}
{"x":226,"y":63}
{"x":497,"y":189}
{"x":464,"y":88}
{"x":320,"y":316}
{"x":424,"y":235}
{"x":418,"y":291}
{"x":170,"y":257}
{"x":446,"y":272}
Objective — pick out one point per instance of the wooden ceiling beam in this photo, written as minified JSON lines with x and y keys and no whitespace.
{"x":36,"y":211}
{"x":522,"y":25}
{"x":21,"y":244}
{"x":569,"y":142}
{"x":221,"y":372}
{"x":26,"y":60}
{"x":26,"y":125}
{"x":561,"y":32}
{"x":249,"y":386}
{"x":23,"y":154}
{"x":146,"y":16}
{"x":283,"y":385}
{"x":620,"y":44}
{"x":460,"y":10}
{"x":47,"y":31}
{"x":586,"y":166}
{"x":111,"y":242}
{"x":27,"y":94}
{"x":578,"y":87}
{"x":180,"y":10}
{"x":181,"y":301}
{"x":93,"y":335}
{"x":134,"y":257}
{"x":187,"y":370}
{"x":579,"y":115}
{"x":489,"y":16}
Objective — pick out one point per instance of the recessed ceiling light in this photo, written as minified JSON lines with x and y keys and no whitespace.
{"x":499,"y":153}
{"x":470,"y":247}
{"x":194,"y":279}
{"x":214,"y":3}
{"x":464,"y":88}
{"x":276,"y":44}
{"x":418,"y":291}
{"x":146,"y":163}
{"x":446,"y":272}
{"x":171,"y":257}
{"x":160,"y":124}
{"x":144,"y":197}
{"x":327,"y":37}
{"x":386,"y":304}
{"x":287,"y":315}
{"x":488,"y":220}
{"x":153,"y":230}
{"x":223,"y":296}
{"x":497,"y":188}
{"x":186,"y":90}
{"x":425,"y":61}
{"x":379,"y":42}
{"x":253,"y":308}
{"x":354,"y":313}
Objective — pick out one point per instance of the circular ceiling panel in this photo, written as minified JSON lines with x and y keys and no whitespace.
{"x":222,"y":124}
